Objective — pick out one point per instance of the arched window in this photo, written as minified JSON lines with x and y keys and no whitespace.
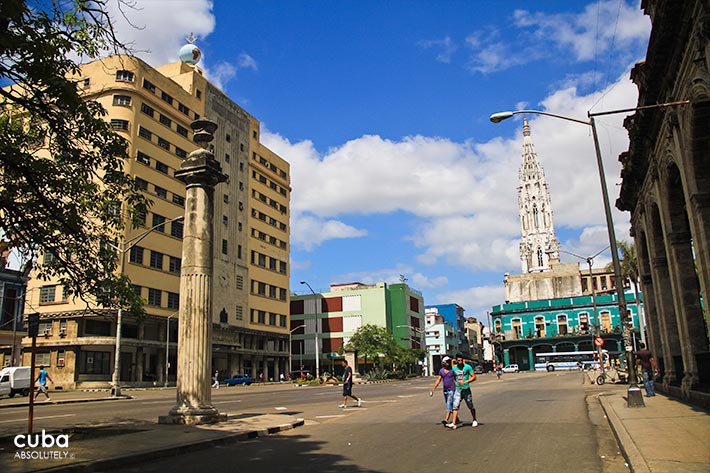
{"x":540,"y":326}
{"x":540,"y":261}
{"x":584,"y":322}
{"x":536,"y":216}
{"x":517,"y":326}
{"x":562,"y":324}
{"x":605,"y":318}
{"x":497,"y":325}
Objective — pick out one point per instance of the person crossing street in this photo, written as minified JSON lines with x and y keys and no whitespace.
{"x":464,"y":375}
{"x":348,"y":386}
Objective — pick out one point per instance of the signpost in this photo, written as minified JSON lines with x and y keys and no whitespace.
{"x":32,"y":332}
{"x":599,"y":342}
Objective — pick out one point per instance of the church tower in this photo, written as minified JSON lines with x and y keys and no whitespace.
{"x":538,"y":244}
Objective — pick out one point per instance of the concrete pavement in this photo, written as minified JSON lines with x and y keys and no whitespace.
{"x":663,"y":437}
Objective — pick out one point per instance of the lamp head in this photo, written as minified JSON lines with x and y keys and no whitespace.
{"x":303,"y":282}
{"x":500,"y":116}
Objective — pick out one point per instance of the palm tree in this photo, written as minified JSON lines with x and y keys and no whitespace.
{"x":630,"y":271}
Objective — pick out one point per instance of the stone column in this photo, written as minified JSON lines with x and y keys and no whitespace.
{"x":201,"y":172}
{"x":531,"y":359}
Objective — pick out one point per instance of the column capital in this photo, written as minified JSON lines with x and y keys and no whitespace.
{"x":700,"y":199}
{"x":659,"y":262}
{"x":201,"y":169}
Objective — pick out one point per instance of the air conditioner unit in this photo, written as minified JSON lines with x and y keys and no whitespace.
{"x":47,"y":332}
{"x":62,"y":332}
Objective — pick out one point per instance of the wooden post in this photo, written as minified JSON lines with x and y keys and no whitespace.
{"x":32,"y":386}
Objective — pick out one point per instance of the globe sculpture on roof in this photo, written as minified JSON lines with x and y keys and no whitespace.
{"x":190,"y":53}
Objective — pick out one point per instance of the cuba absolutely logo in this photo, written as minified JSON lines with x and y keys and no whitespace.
{"x":28,"y":443}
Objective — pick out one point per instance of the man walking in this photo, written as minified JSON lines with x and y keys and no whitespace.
{"x":464,"y":375}
{"x":348,"y":386}
{"x":215,"y":384}
{"x":645,"y":359}
{"x":42,"y":379}
{"x":446,"y":374}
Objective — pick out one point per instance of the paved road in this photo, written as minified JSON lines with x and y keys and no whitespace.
{"x":528,"y":423}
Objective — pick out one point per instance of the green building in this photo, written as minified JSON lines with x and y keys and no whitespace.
{"x":523,"y":329}
{"x":333,"y":317}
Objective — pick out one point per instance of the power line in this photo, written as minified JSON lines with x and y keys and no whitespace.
{"x":611,"y":57}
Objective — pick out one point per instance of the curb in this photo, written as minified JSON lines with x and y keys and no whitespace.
{"x":637,"y":464}
{"x":66,"y":401}
{"x":123,"y":460}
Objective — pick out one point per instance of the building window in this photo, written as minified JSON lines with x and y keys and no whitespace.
{"x":181,"y":153}
{"x":282,"y":294}
{"x":60,"y":359}
{"x":228,"y":137}
{"x":154,"y":297}
{"x":239,"y":226}
{"x":282,"y":320}
{"x":158,"y":222}
{"x":241,"y":147}
{"x":262,"y":320}
{"x":94,"y":362}
{"x":198,"y":94}
{"x":166,"y":97}
{"x":156,"y":260}
{"x":225,"y":219}
{"x":239,"y":251}
{"x":183,"y":109}
{"x":497,"y":325}
{"x":163,"y":143}
{"x":178,"y":199}
{"x":47,"y":293}
{"x":175,"y":265}
{"x":143,"y":133}
{"x":226,"y":198}
{"x":584,"y":322}
{"x":253,"y":133}
{"x":148,"y":85}
{"x":182,"y":131}
{"x":605,"y":318}
{"x":225,"y":247}
{"x":241,"y":186}
{"x":585,"y":285}
{"x":125,"y":76}
{"x":272,"y":318}
{"x":160,"y":192}
{"x":173,"y":300}
{"x":165,"y":120}
{"x":148,"y":110}
{"x":136,"y":255}
{"x":223,"y":316}
{"x":241,"y":166}
{"x":142,"y":184}
{"x":282,"y":267}
{"x":161,"y":167}
{"x":122,"y":100}
{"x":562,"y":324}
{"x":540,"y":327}
{"x":117,"y":124}
{"x":176,"y":229}
{"x":137,"y":290}
{"x":239,"y":313}
{"x":226,"y":157}
{"x":143,"y":158}
{"x":240,"y":283}
{"x":141,"y":215}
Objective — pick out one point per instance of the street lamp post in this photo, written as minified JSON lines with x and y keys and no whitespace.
{"x":597,"y":322}
{"x":290,"y":352}
{"x":316,"y":329}
{"x":123,"y":247}
{"x":634,"y":396}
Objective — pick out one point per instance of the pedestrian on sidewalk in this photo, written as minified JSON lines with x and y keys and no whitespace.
{"x":647,"y":363}
{"x":446,"y":374}
{"x":499,"y":370}
{"x":215,"y":384}
{"x":281,"y":378}
{"x":464,"y":375}
{"x":348,"y":386}
{"x":42,"y":379}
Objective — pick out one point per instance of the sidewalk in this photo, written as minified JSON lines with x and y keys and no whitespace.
{"x":665,"y":436}
{"x":59,"y":397}
{"x":108,"y":447}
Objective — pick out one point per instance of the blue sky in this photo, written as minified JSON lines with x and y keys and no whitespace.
{"x":382,"y":110}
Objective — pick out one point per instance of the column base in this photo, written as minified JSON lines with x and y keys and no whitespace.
{"x":192,"y":416}
{"x":688,"y":383}
{"x":634,"y":398}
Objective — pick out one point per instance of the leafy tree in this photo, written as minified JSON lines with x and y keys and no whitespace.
{"x":63,"y":192}
{"x":629,"y":267}
{"x":373,"y":341}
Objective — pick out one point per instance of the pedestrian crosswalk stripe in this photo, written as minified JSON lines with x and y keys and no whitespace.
{"x":280,"y":408}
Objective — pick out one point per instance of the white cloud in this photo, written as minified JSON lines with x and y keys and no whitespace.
{"x":222,"y":73}
{"x":591,"y":34}
{"x":445,"y":47}
{"x":462,"y":195}
{"x":245,"y":61}
{"x":476,"y":300}
{"x":157,"y":29}
{"x":416,"y":280}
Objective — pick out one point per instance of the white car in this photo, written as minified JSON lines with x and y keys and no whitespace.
{"x":511,"y":369}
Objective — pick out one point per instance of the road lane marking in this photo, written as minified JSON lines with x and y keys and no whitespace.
{"x":36,"y":418}
{"x":406,"y":395}
{"x":157,"y":402}
{"x":328,"y":417}
{"x":227,"y":402}
{"x":387,"y":400}
{"x":280,"y":408}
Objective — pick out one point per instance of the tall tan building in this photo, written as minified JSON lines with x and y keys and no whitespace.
{"x":152,"y":108}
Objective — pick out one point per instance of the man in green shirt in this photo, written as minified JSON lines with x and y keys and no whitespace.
{"x":464,"y":375}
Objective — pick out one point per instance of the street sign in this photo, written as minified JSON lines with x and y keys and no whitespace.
{"x":599,"y":341}
{"x":33,"y":325}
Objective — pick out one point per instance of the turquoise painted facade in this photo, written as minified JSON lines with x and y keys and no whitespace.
{"x":566,"y":324}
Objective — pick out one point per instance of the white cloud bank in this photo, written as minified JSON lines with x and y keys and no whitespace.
{"x":463,"y":195}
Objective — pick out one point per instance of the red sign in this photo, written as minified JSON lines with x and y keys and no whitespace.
{"x":599,"y":341}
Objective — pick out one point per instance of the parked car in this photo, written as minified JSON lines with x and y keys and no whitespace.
{"x":239,"y":379}
{"x":15,"y":380}
{"x":301,"y":374}
{"x":511,"y":369}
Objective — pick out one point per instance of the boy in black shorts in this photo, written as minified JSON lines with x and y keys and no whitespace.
{"x":348,"y":386}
